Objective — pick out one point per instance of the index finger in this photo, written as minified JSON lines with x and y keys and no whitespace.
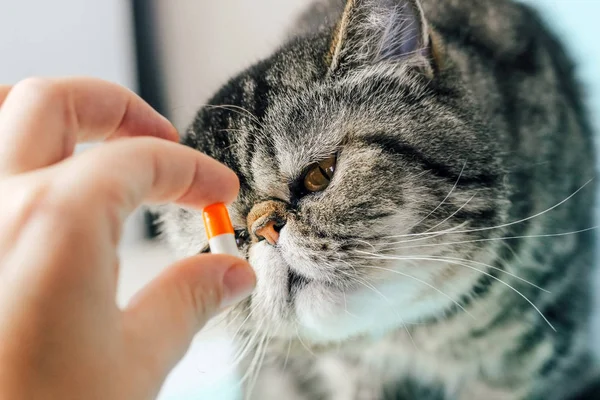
{"x":114,"y":179}
{"x":41,"y":120}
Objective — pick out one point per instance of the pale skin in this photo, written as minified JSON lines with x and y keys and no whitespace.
{"x":62,"y":335}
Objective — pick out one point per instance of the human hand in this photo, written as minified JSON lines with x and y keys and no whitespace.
{"x":62,"y":335}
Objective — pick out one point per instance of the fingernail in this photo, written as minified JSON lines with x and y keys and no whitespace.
{"x":238,"y":282}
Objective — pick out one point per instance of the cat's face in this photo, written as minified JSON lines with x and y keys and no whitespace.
{"x":361,"y":185}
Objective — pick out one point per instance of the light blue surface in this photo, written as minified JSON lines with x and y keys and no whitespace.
{"x":576,"y":22}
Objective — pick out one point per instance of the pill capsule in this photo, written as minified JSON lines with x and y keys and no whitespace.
{"x":219,"y":230}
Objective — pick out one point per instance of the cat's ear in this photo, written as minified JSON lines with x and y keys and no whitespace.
{"x":373,"y":31}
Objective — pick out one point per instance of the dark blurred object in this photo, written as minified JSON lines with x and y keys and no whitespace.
{"x":590,"y":393}
{"x":150,"y":83}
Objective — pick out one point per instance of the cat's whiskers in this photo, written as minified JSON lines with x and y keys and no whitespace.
{"x":232,"y":130}
{"x":420,"y":281}
{"x":430,"y":235}
{"x":259,"y":365}
{"x":229,"y":130}
{"x":250,"y":342}
{"x":252,"y":370}
{"x":243,"y":351}
{"x":348,"y":264}
{"x":238,"y":312}
{"x":346,"y":306}
{"x":547,"y":235}
{"x":256,"y":343}
{"x":240,"y":353}
{"x":454,"y":231}
{"x":221,"y":319}
{"x":228,"y":107}
{"x":362,"y":241}
{"x":472,"y":262}
{"x":244,"y":113}
{"x":452,"y":215}
{"x":240,"y":110}
{"x":505,"y":225}
{"x":238,"y":330}
{"x":370,"y":286}
{"x":442,"y":202}
{"x":287,"y":354}
{"x":420,"y":234}
{"x":297,"y":324}
{"x":412,"y":258}
{"x":516,"y":257}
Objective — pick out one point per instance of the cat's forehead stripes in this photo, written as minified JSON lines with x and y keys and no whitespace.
{"x":317,"y":143}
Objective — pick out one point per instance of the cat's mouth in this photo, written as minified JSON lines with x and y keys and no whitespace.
{"x":295,"y":283}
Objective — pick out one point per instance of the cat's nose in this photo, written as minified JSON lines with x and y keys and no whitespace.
{"x":269,"y":232}
{"x":266,"y":220}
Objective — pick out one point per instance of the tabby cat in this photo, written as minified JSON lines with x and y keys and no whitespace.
{"x":416,"y":199}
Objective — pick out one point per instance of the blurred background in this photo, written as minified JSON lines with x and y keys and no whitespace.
{"x":176,"y":54}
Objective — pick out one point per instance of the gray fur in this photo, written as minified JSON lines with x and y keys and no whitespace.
{"x":359,"y":300}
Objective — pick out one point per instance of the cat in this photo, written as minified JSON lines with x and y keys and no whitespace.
{"x":417,"y":201}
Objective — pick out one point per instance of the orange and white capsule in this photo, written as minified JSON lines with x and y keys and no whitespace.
{"x":219,"y":230}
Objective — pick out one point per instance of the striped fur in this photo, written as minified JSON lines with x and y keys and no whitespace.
{"x":449,"y":257}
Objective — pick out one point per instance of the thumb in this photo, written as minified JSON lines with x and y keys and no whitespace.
{"x":161,"y":320}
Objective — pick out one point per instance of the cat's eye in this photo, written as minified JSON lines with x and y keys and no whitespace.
{"x":319,"y":175}
{"x":241,"y":238}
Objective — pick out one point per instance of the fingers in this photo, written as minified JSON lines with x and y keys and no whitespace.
{"x":117,"y":177}
{"x":41,"y":120}
{"x":163,"y":318}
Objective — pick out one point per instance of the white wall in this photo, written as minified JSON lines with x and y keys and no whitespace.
{"x":69,"y":37}
{"x":205,"y":42}
{"x":66,"y":37}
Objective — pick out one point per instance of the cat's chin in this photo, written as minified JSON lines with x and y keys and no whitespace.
{"x":288,"y":303}
{"x":325,"y":314}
